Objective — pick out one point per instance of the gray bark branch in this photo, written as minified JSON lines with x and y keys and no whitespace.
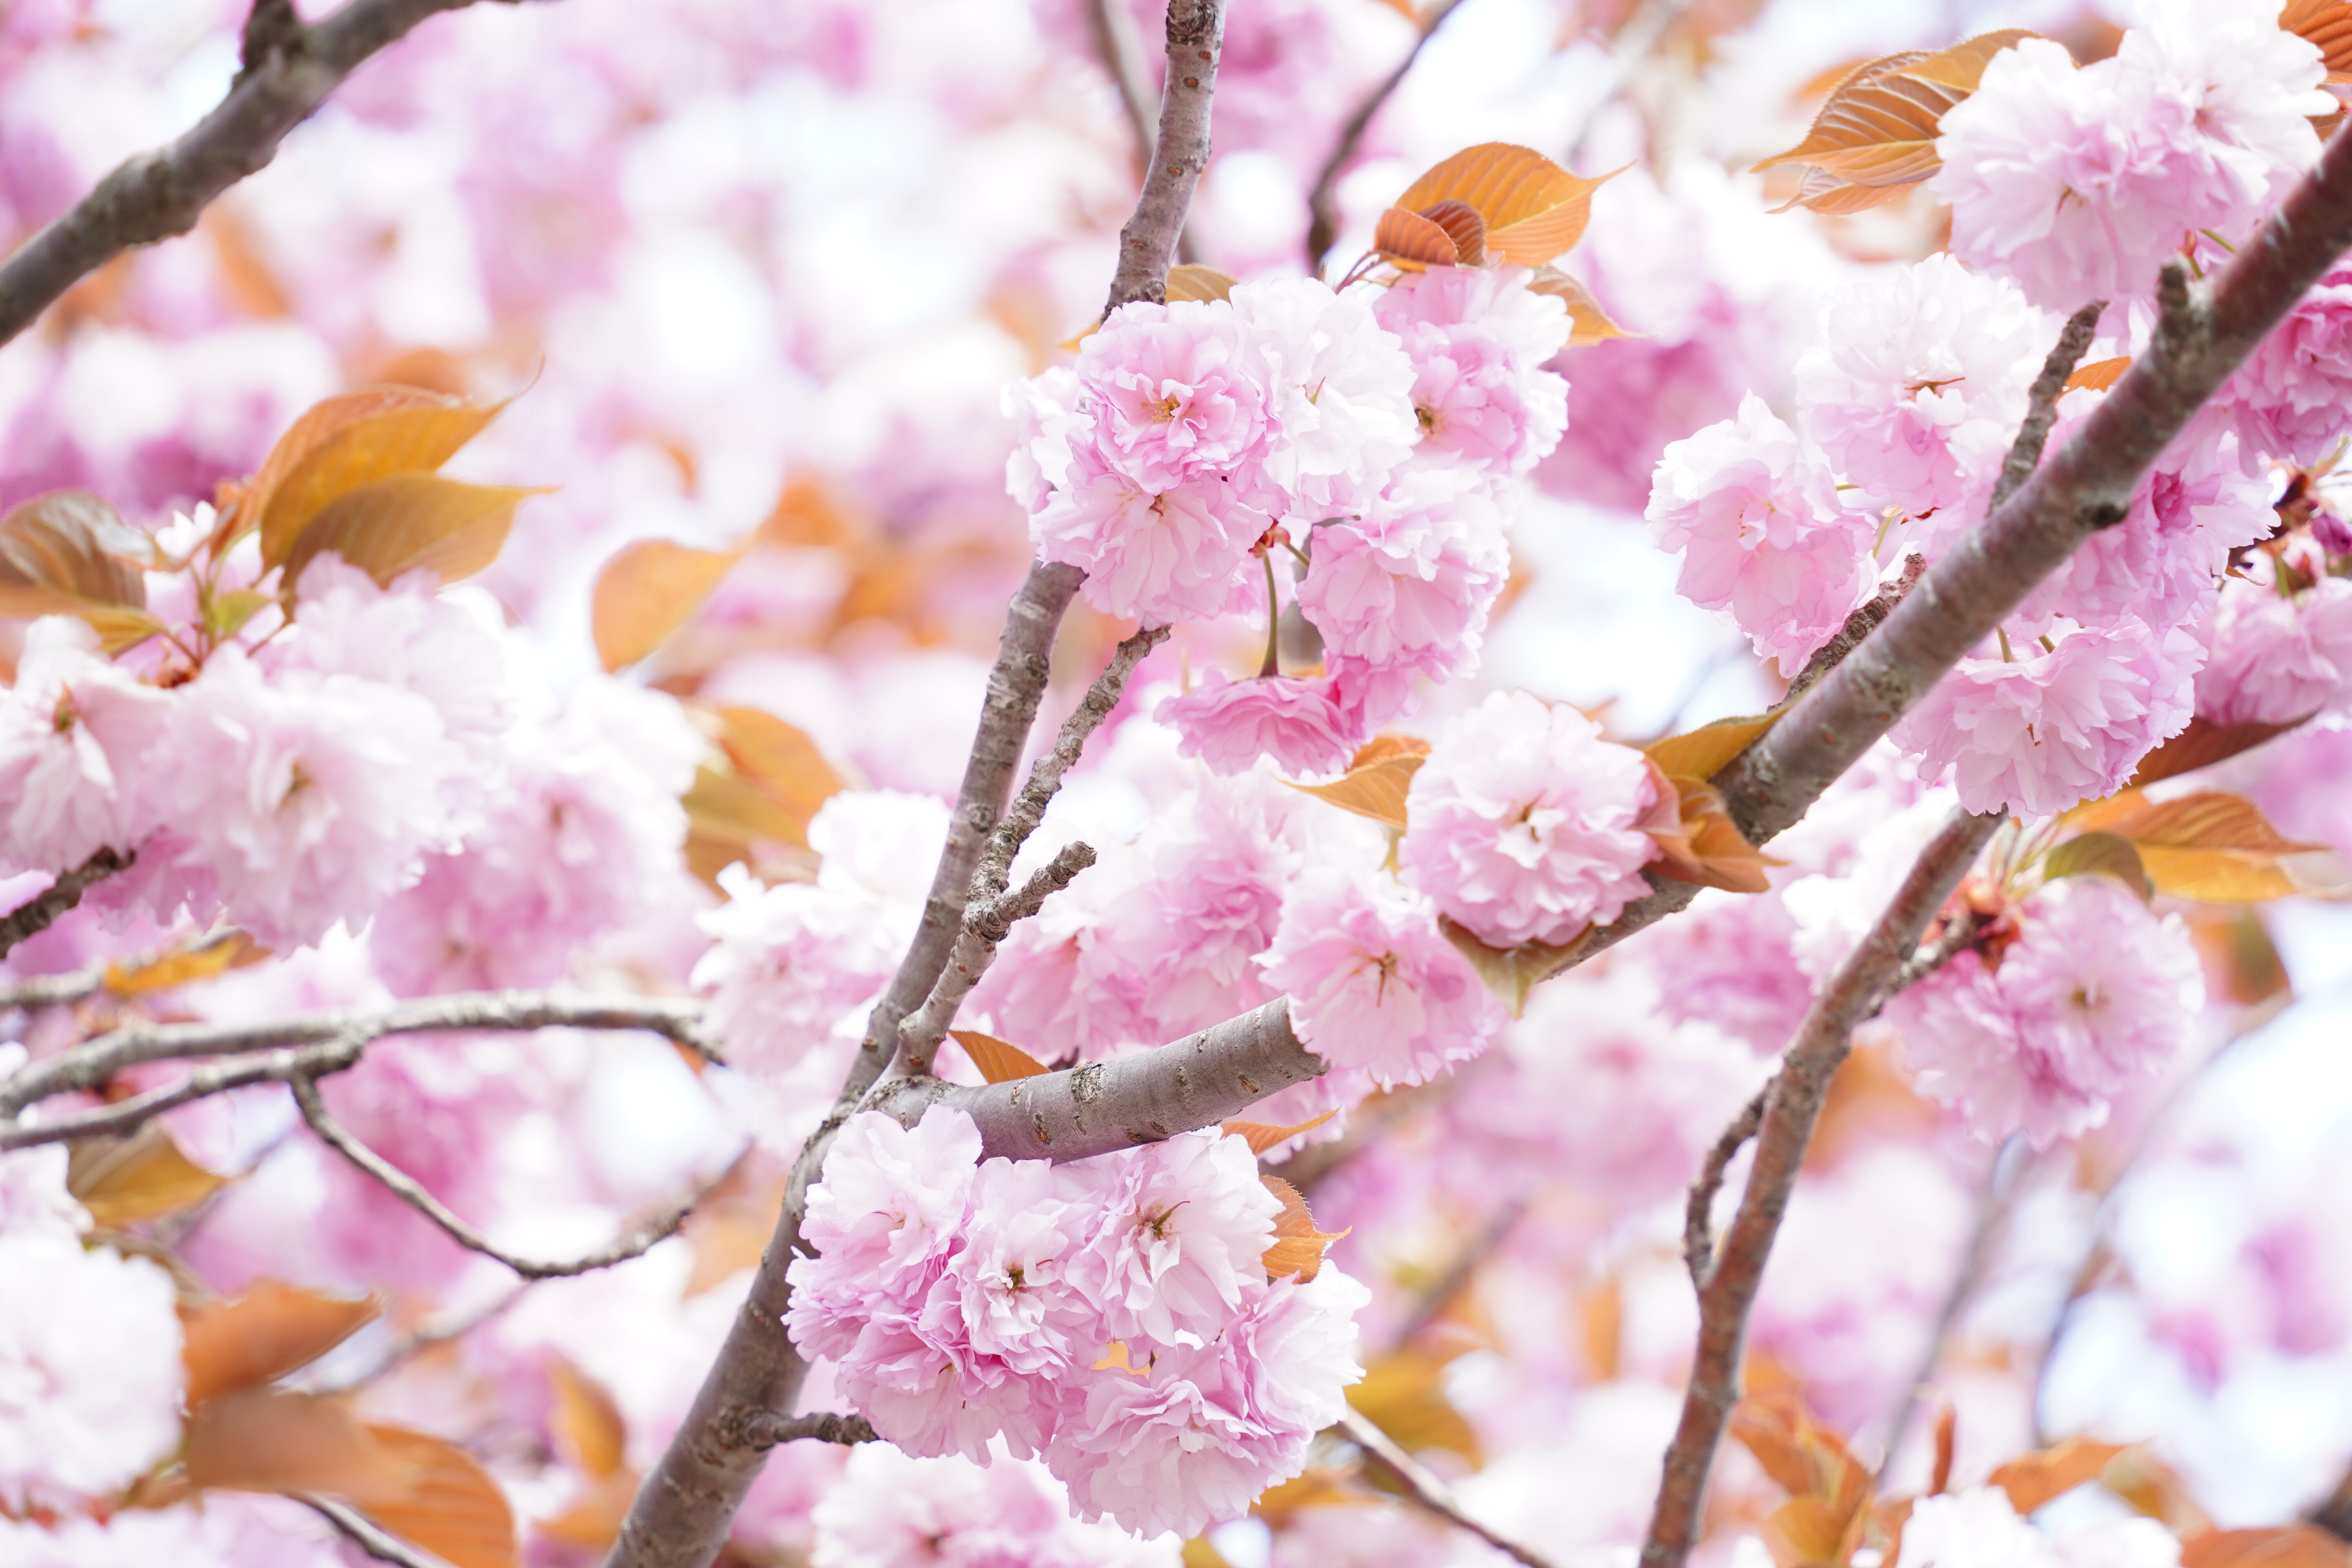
{"x":1148,"y":245}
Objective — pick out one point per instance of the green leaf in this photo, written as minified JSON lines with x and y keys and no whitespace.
{"x":2100,"y":855}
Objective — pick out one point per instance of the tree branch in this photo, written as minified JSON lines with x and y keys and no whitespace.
{"x":1322,"y":201}
{"x":1792,"y":1104}
{"x":2024,"y":453}
{"x":126,"y":1116}
{"x":1146,"y":245}
{"x":52,"y":990}
{"x":986,"y":924}
{"x":288,"y":71}
{"x":1698,"y":1213}
{"x":1424,"y":1487}
{"x":409,"y":1190}
{"x":765,"y":1428}
{"x":91,"y":1065}
{"x":365,"y":1533}
{"x":31,"y":919}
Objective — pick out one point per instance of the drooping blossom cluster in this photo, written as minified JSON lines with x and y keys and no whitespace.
{"x":2096,"y":993}
{"x":1375,"y":438}
{"x":1112,"y":1317}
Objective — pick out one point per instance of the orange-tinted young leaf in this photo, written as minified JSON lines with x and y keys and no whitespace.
{"x":444,"y":1502}
{"x":269,"y":1440}
{"x":2153,"y":1490}
{"x":1703,"y":752}
{"x":1376,"y":789}
{"x":1533,"y":208}
{"x":421,"y":432}
{"x":2327,"y":26}
{"x":244,"y":505}
{"x":2202,"y":744}
{"x":1264,"y":1135}
{"x":1403,"y":1395}
{"x":1962,"y":67}
{"x":1297,"y":1246}
{"x":1509,"y":973}
{"x":649,"y":591}
{"x":2273,"y":1546}
{"x":121,"y":1181}
{"x":1805,"y":1458}
{"x":1588,"y":324}
{"x":1880,"y":124}
{"x":202,"y":960}
{"x":734,"y":815}
{"x":1822,"y":192}
{"x":395,"y":526}
{"x":1191,"y":280}
{"x":1390,"y":745}
{"x":1409,"y":241}
{"x":1698,"y":841}
{"x":1811,"y":1532}
{"x":2099,"y":854}
{"x":997,"y":1061}
{"x":2036,"y":1478}
{"x":592,"y":1521}
{"x":2210,"y":846}
{"x":259,"y":1337}
{"x":780,"y":758}
{"x":58,"y":556}
{"x":585,"y":1422}
{"x":1463,"y":227}
{"x":2241,"y":964}
{"x":2099,"y":375}
{"x":1947,"y":1432}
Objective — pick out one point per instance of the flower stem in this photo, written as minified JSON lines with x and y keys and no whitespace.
{"x":1272,"y":665}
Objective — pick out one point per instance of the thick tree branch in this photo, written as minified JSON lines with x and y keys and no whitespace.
{"x":283,"y":1066}
{"x":631,"y":1243}
{"x":1792,"y":1104}
{"x":288,"y":71}
{"x":31,"y":919}
{"x":1146,"y":245}
{"x":1322,"y":201}
{"x":91,"y":1065}
{"x":1424,"y":1488}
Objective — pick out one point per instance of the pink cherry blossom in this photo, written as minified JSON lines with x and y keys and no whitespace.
{"x":1373,"y":984}
{"x":1185,"y":1222}
{"x":1010,"y":1279}
{"x":1230,"y":724}
{"x":2097,"y":995}
{"x":75,"y":733}
{"x":1480,"y":340}
{"x":1756,"y":514}
{"x":893,"y":1512}
{"x":2277,"y":658}
{"x":1406,"y":586}
{"x":1340,"y":393}
{"x":1152,"y":555}
{"x":90,"y":1370}
{"x":892,"y":1202}
{"x":2162,"y":562}
{"x":2041,"y":730}
{"x":2290,"y":398}
{"x":1173,"y":392}
{"x":406,"y":635}
{"x":1522,"y":822}
{"x":1916,"y":386}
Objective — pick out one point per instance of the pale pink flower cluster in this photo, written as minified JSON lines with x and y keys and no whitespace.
{"x":2078,"y":183}
{"x":2292,"y":398}
{"x":2039,"y":728}
{"x":891,"y":1510}
{"x":2095,"y":996}
{"x":1379,"y":437}
{"x":1374,"y":986}
{"x":90,"y":1370}
{"x":1755,"y":510}
{"x":2277,"y":657}
{"x":792,"y":960}
{"x":965,"y":1301}
{"x":1979,"y":1528}
{"x":1524,"y":822}
{"x":226,"y":1530}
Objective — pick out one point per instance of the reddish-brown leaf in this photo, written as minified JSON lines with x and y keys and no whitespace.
{"x":244,"y":504}
{"x":259,"y":1337}
{"x":1463,"y":227}
{"x":58,"y":555}
{"x":1822,"y":192}
{"x":2046,"y":1473}
{"x":1703,"y":752}
{"x":413,"y":434}
{"x":2327,"y":24}
{"x":1533,"y":208}
{"x":408,"y":521}
{"x":122,"y":1181}
{"x":2210,"y":846}
{"x":1409,"y":241}
{"x":444,"y":1501}
{"x":1264,"y":1135}
{"x":202,"y":960}
{"x":649,"y":591}
{"x":2099,"y":375}
{"x":1698,"y":841}
{"x":2202,"y":744}
{"x":780,"y":758}
{"x":269,"y":1440}
{"x":2274,"y":1546}
{"x":1806,"y":1458}
{"x":1880,"y":124}
{"x":998,"y":1062}
{"x":1297,"y":1246}
{"x":1811,"y":1532}
{"x":585,"y":1422}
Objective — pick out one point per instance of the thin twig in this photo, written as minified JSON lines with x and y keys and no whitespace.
{"x":1866,"y":619}
{"x":365,"y":1533}
{"x":1146,"y":245}
{"x":407,"y":1347}
{"x":1322,"y":201}
{"x":283,"y":1065}
{"x":1424,"y":1488}
{"x":161,"y":194}
{"x":1791,"y":1106}
{"x":1958,"y":933}
{"x":630,"y":1244}
{"x":1641,"y":34}
{"x":986,"y":924}
{"x":31,"y":919}
{"x":1698,"y":1213}
{"x":91,"y":1065}
{"x":1434,"y":1301}
{"x":2042,"y":401}
{"x":766,"y":1429}
{"x":52,"y":990}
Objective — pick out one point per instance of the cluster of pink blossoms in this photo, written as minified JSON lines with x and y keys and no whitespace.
{"x":1111,"y":1317}
{"x":2096,"y":993}
{"x":1376,"y":437}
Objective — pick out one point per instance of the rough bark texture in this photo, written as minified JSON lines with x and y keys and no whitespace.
{"x":288,"y":71}
{"x":29,"y":920}
{"x":1146,"y":245}
{"x":1792,"y":1104}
